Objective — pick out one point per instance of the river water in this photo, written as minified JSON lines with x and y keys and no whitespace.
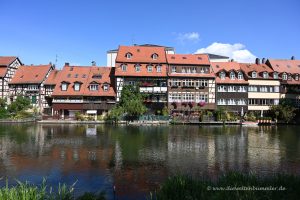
{"x":135,"y":160}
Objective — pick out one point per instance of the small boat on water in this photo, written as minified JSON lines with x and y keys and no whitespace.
{"x":249,"y":123}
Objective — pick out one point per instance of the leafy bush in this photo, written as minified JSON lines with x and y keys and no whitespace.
{"x":186,"y":188}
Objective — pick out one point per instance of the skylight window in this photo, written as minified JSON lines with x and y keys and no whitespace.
{"x":128,"y":55}
{"x":154,"y":56}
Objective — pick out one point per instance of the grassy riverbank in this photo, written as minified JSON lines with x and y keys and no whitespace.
{"x":26,"y":191}
{"x":229,"y":186}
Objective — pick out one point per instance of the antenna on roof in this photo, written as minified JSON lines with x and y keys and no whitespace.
{"x":133,"y":40}
{"x":56,"y":59}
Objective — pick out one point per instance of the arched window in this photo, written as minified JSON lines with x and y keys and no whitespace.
{"x":266,"y":75}
{"x":284,"y":76}
{"x":240,"y":76}
{"x":154,"y":56}
{"x":232,"y":75}
{"x":137,"y":67}
{"x":128,"y":55}
{"x":124,"y":67}
{"x":149,"y":68}
{"x":222,"y":75}
{"x":254,"y":74}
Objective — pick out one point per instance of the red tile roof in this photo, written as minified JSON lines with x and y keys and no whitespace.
{"x":30,"y":74}
{"x":227,"y":80}
{"x":85,"y":75}
{"x":288,"y":66}
{"x":259,"y":68}
{"x":225,"y":66}
{"x":52,"y":78}
{"x":7,"y":60}
{"x":188,"y":59}
{"x":141,"y":54}
{"x":4,"y":62}
{"x":130,"y":71}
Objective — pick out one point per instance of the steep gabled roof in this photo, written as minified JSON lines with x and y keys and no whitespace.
{"x":34,"y":74}
{"x":141,"y":54}
{"x":188,"y":59}
{"x":288,"y":66}
{"x":225,"y":66}
{"x":52,"y":78}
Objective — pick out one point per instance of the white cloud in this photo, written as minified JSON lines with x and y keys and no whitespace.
{"x":184,"y":38}
{"x":237,"y":51}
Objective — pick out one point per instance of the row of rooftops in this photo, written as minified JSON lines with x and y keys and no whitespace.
{"x":145,"y":55}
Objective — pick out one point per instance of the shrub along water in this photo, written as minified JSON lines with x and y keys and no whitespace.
{"x":26,"y":191}
{"x":233,"y":185}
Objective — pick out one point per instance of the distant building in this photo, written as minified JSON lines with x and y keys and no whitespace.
{"x":263,"y":89}
{"x":231,"y":86}
{"x":28,"y":81}
{"x":84,"y":89}
{"x":8,"y":67}
{"x":191,"y":83}
{"x":217,"y":58}
{"x":288,"y":72}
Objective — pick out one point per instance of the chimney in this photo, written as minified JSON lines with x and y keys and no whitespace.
{"x":232,"y":60}
{"x":257,"y":61}
{"x":263,"y":61}
{"x":93,"y":63}
{"x":67,"y":64}
{"x":293,"y":58}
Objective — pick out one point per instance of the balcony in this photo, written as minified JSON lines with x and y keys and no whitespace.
{"x":153,"y":89}
{"x":67,"y":101}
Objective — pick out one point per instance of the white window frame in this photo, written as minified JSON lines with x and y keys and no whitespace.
{"x":222,"y":75}
{"x":105,"y":87}
{"x":149,"y":68}
{"x":158,"y":68}
{"x":232,"y":75}
{"x":254,"y":74}
{"x":137,"y":67}
{"x":240,"y":76}
{"x":265,"y":75}
{"x":124,"y":67}
{"x":94,"y":87}
{"x":76,"y":86}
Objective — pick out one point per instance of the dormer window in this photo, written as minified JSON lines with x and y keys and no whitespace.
{"x":154,"y":56}
{"x":105,"y":87}
{"x":222,"y":75}
{"x":94,"y":87}
{"x":149,"y":68}
{"x":137,"y":68}
{"x":254,"y":75}
{"x":284,"y":76}
{"x":275,"y":75}
{"x":265,"y":75}
{"x":297,"y":77}
{"x":173,"y":69}
{"x":290,"y":77}
{"x":64,"y":86}
{"x":158,"y":68}
{"x":124,"y":68}
{"x":232,"y":75}
{"x":240,"y":76}
{"x":76,"y":86}
{"x":128,"y":55}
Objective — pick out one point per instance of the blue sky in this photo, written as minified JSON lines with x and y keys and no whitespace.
{"x":82,"y":31}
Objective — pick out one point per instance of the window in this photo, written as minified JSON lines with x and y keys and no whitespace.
{"x":137,"y":68}
{"x":290,"y":77}
{"x":173,"y":69}
{"x":154,"y":56}
{"x":276,"y":88}
{"x":254,"y":74}
{"x":265,"y":75}
{"x":128,"y":55}
{"x":231,"y":102}
{"x":232,"y":75}
{"x":221,"y":102}
{"x":275,"y":75}
{"x":149,"y":68}
{"x":124,"y":68}
{"x":64,"y":86}
{"x":33,"y":99}
{"x":252,"y":89}
{"x":76,"y":86}
{"x":202,"y":98}
{"x":241,"y":102}
{"x":222,"y":75}
{"x":193,"y":69}
{"x":94,"y":87}
{"x":240,"y":76}
{"x":76,"y":76}
{"x":158,"y":68}
{"x":297,"y":77}
{"x":231,"y":89}
{"x":105,"y":87}
{"x":284,"y":76}
{"x":242,"y":89}
{"x":175,"y":83}
{"x":222,"y":88}
{"x":263,"y":89}
{"x":32,"y":87}
{"x":97,"y":76}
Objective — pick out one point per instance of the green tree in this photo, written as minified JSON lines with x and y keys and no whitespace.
{"x":20,"y":104}
{"x":116,"y":113}
{"x":3,"y":110}
{"x":132,"y":101}
{"x":285,"y":111}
